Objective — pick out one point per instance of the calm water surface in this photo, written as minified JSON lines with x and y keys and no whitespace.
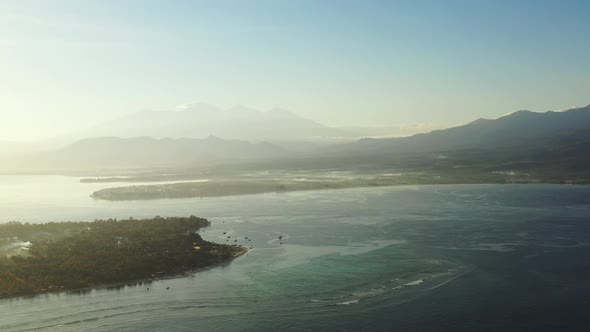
{"x":411,"y":258}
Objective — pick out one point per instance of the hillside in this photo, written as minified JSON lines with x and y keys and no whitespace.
{"x":548,"y":144}
{"x":145,"y":152}
{"x":513,"y":130}
{"x":199,"y":120}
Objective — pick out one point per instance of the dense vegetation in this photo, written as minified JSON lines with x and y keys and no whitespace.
{"x":37,"y":258}
{"x":229,"y":187}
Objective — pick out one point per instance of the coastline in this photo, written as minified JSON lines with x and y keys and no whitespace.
{"x":78,"y":256}
{"x":192,"y":190}
{"x":133,"y":283}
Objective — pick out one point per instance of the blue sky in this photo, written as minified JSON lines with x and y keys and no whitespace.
{"x":70,"y":64}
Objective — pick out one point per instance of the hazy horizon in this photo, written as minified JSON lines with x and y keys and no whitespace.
{"x":384,"y":130}
{"x":68,"y":66}
{"x":397,"y":129}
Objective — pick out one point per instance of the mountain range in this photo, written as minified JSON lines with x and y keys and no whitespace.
{"x":106,"y":153}
{"x":523,"y":140}
{"x":510,"y":130}
{"x":549,"y":142}
{"x":199,"y":120}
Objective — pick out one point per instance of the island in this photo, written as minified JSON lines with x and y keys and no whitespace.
{"x":252,"y":185}
{"x":62,"y":256}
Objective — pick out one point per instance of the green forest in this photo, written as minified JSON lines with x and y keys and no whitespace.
{"x":38,"y":258}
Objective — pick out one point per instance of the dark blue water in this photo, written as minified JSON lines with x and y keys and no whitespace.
{"x":415,"y":258}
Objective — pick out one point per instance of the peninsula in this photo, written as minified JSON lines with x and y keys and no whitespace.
{"x":249,"y":186}
{"x":39,"y":258}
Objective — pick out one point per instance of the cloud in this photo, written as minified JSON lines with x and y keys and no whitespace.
{"x":186,"y":105}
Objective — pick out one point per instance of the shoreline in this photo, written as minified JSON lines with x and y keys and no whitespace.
{"x":158,"y":194}
{"x":132,"y":283}
{"x":111,"y":253}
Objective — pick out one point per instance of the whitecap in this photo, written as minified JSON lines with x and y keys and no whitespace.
{"x":414,"y":283}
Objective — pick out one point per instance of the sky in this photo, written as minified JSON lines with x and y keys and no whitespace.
{"x":66,"y":65}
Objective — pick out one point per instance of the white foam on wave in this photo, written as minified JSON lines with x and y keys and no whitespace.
{"x":370,"y":292}
{"x":348,"y":302}
{"x":414,"y":283}
{"x":368,"y":246}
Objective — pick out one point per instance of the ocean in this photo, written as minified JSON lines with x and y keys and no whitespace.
{"x":407,"y":258}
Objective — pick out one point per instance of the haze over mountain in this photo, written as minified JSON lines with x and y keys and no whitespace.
{"x":512,"y":129}
{"x":199,"y":120}
{"x":144,"y":152}
{"x":552,"y":142}
{"x":24,"y":148}
{"x":556,"y":140}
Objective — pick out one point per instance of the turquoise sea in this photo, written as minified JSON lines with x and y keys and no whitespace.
{"x":408,"y":258}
